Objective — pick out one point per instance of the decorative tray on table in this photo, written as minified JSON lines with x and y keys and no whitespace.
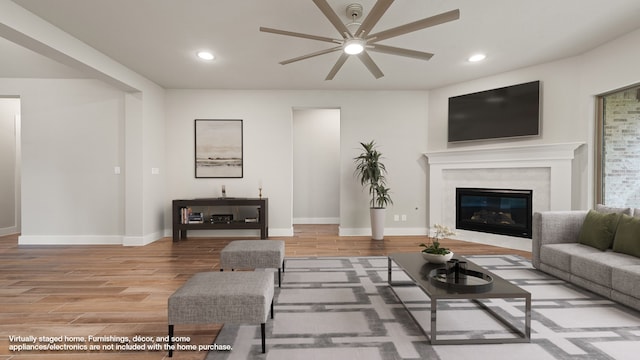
{"x":470,"y":281}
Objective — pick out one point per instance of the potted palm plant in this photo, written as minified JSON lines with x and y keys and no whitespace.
{"x":371,"y":173}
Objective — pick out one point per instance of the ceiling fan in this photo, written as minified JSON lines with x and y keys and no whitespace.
{"x":360,"y":41}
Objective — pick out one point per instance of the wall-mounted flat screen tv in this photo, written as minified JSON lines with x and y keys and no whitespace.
{"x":510,"y":111}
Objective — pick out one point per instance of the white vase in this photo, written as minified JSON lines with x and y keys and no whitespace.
{"x":437,"y":258}
{"x":377,"y":223}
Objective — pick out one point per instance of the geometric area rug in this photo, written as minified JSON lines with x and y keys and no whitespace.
{"x":342,"y":308}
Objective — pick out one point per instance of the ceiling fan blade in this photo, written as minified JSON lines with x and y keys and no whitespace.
{"x":400,"y":51}
{"x":414,"y":26}
{"x":331,"y":15}
{"x":368,"y":62}
{"x":334,"y":70}
{"x":313,"y":54}
{"x":297,"y":34}
{"x":374,"y":16}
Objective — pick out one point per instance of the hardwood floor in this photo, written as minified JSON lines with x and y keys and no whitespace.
{"x":103,"y":290}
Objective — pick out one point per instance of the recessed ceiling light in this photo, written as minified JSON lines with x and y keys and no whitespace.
{"x":477,"y":57}
{"x":205,"y":55}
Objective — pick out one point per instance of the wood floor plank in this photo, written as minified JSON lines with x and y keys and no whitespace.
{"x":117,"y":290}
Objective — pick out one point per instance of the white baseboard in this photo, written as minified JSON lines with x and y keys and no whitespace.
{"x":327,"y":220}
{"x":406,"y":231}
{"x":387,"y":231}
{"x":89,"y":239}
{"x":281,"y":232}
{"x":70,"y":240}
{"x":9,"y":230}
{"x":141,"y":240}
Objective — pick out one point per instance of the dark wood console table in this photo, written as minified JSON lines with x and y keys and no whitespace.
{"x":261,"y":223}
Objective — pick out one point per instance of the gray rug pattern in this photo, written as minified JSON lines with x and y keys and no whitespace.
{"x":342,"y":308}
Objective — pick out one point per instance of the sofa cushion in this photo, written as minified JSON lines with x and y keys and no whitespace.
{"x":560,"y":274}
{"x":627,"y":238}
{"x":625,"y":299}
{"x":625,"y":280}
{"x":598,"y":267}
{"x":598,"y":229}
{"x":559,"y":255}
{"x":591,"y":286}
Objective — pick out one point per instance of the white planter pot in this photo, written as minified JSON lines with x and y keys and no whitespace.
{"x":377,"y":223}
{"x":436,"y":258}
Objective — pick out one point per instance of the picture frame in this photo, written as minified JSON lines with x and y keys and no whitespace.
{"x":218,"y":149}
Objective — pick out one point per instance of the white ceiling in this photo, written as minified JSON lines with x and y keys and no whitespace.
{"x":159,"y":39}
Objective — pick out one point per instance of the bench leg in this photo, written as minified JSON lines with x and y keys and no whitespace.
{"x":262,"y":330}
{"x":170,"y":340}
{"x":272,"y":309}
{"x":280,"y":275}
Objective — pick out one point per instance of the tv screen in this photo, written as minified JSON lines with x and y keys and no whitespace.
{"x":498,"y":113}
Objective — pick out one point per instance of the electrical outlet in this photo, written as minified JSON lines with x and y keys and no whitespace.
{"x":396,"y":217}
{"x":404,"y":217}
{"x":116,"y":170}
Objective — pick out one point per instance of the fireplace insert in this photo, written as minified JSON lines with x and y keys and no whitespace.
{"x":497,"y":211}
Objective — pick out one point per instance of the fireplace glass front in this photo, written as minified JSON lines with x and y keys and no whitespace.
{"x":497,"y":211}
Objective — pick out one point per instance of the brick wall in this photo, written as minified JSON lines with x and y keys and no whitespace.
{"x":621,"y":156}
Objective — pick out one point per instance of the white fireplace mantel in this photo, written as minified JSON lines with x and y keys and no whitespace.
{"x":500,"y":167}
{"x":515,"y":154}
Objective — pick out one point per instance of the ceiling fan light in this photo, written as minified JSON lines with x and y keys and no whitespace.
{"x":205,"y":55}
{"x":353,"y":46}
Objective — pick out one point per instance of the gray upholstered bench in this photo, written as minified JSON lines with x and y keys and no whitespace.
{"x":242,"y":297}
{"x":253,"y":254}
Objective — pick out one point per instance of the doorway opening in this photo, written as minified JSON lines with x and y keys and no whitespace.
{"x":10,"y":165}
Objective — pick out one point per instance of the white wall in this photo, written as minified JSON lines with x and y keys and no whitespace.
{"x":74,"y":134}
{"x":569,"y":87}
{"x":611,"y":66}
{"x":154,"y":164}
{"x":71,"y":137}
{"x":397,"y":120}
{"x":139,"y":144}
{"x":9,"y":165}
{"x":316,"y":166}
{"x":560,"y":117}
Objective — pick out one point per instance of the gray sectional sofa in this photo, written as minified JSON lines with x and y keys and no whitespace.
{"x":559,"y":249}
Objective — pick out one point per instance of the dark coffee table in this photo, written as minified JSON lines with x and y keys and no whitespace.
{"x":418,"y":270}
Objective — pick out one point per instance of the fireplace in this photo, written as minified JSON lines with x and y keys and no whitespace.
{"x":497,"y":211}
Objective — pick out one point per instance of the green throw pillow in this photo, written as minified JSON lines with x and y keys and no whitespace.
{"x":627,"y":238}
{"x":598,"y":229}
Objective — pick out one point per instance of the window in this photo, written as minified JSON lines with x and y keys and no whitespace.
{"x":618,"y":148}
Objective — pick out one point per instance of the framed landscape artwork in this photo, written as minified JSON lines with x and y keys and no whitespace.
{"x":218,"y":148}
